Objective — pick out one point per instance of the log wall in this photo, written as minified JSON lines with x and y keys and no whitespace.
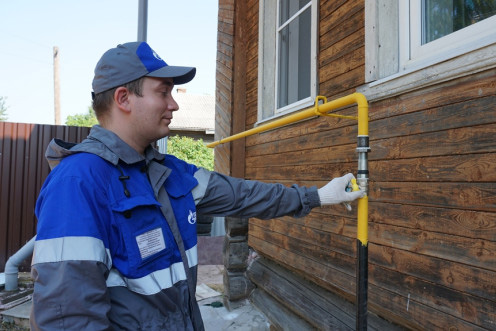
{"x":432,"y":212}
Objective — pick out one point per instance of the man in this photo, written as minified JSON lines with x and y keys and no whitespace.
{"x":116,"y":239}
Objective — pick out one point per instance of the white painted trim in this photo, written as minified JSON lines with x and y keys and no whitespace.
{"x":276,"y":62}
{"x":371,"y":41}
{"x":315,"y":48}
{"x":472,"y":37}
{"x":406,"y":81}
{"x":469,"y":55}
{"x":266,"y":59}
{"x":299,"y":105}
{"x":404,"y":32}
{"x":261,"y":13}
{"x":381,"y":38}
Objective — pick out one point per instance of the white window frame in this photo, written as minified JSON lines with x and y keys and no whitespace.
{"x":396,"y":62}
{"x":459,"y":42}
{"x":267,"y":62}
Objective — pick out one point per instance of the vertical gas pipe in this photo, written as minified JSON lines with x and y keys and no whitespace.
{"x":362,"y":226}
{"x":361,"y":182}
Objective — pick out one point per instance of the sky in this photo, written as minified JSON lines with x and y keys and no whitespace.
{"x":182,"y":32}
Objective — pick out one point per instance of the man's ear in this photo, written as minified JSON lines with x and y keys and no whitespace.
{"x":121,"y":99}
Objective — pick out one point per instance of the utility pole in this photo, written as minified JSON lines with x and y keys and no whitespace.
{"x":56,"y":85}
{"x":142,"y":19}
{"x":142,"y":30}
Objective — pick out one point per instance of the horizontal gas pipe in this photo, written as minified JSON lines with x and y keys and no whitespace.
{"x":362,"y":179}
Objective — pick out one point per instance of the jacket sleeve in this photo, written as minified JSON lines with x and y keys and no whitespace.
{"x":71,"y":256}
{"x":221,"y":195}
{"x":70,"y":295}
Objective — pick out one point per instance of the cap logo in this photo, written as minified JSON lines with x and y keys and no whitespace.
{"x":149,"y":58}
{"x":156,"y":56}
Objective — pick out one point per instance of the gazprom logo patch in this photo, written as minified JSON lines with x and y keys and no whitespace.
{"x":192,"y":217}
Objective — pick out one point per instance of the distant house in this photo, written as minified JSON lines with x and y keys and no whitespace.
{"x":195,"y":117}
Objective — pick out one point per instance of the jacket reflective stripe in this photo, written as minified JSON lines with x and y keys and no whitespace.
{"x":202,"y":176}
{"x":156,"y":281}
{"x":71,"y":249}
{"x":150,"y":284}
{"x":192,"y":255}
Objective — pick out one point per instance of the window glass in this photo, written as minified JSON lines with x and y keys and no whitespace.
{"x":442,"y":17}
{"x":288,"y":8}
{"x":294,"y":52}
{"x":294,"y":60}
{"x":287,"y":62}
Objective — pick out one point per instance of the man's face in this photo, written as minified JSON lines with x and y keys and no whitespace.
{"x":152,"y":113}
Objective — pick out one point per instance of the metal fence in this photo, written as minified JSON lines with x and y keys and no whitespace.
{"x":23,"y":169}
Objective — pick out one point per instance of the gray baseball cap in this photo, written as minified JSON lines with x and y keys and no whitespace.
{"x":130,"y":61}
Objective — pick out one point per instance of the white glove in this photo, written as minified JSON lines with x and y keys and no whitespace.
{"x":334,"y":192}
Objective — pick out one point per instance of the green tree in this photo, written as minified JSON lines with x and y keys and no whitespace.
{"x":3,"y":109}
{"x":88,"y":119}
{"x":192,"y":151}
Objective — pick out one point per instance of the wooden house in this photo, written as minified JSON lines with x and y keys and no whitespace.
{"x":428,"y":71}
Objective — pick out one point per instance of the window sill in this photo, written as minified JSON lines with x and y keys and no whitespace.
{"x":302,"y":105}
{"x":418,"y":78}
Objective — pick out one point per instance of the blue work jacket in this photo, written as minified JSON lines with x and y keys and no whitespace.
{"x":116,"y":244}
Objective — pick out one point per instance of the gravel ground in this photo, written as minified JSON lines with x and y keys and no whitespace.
{"x":4,"y":326}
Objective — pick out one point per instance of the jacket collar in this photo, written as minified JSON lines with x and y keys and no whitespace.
{"x":110,"y":147}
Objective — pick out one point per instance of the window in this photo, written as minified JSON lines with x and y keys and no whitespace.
{"x":293,"y":43}
{"x":442,"y":17}
{"x":412,"y":44}
{"x":287,"y":58}
{"x":441,"y":29}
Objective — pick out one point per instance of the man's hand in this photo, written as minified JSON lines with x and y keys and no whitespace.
{"x":334,"y":192}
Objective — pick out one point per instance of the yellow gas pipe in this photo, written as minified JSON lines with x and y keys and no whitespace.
{"x":361,"y":178}
{"x":319,"y":110}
